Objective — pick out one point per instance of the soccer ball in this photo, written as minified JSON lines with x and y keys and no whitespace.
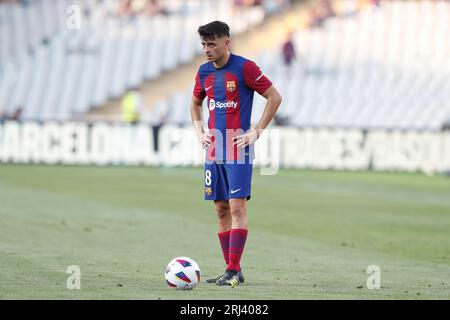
{"x":182,"y":273}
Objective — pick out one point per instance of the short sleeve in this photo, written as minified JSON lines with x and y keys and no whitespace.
{"x":254,"y":78}
{"x":198,"y":89}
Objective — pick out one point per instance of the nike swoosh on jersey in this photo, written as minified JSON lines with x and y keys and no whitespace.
{"x":207,"y":88}
{"x":234,"y":191}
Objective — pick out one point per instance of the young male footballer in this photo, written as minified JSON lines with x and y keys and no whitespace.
{"x":229,"y":81}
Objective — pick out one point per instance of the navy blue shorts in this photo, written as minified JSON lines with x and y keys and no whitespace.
{"x":224,"y":181}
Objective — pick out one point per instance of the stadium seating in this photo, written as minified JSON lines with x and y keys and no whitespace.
{"x":55,"y":72}
{"x":382,"y":67}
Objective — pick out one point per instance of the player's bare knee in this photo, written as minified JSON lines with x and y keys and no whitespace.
{"x":223,"y":214}
{"x":222,"y":210}
{"x":238,"y":211}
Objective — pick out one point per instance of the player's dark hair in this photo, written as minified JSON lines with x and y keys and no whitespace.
{"x":214,"y":29}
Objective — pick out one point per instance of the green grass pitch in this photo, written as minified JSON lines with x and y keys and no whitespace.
{"x":312,"y":234}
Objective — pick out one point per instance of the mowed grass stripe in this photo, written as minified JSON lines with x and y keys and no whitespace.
{"x":130,"y":222}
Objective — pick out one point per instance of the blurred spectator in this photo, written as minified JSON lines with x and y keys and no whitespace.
{"x":320,"y":12}
{"x":132,"y":104}
{"x":326,"y":9}
{"x":158,"y":115}
{"x":17,"y":115}
{"x":315,"y":21}
{"x":154,"y":7}
{"x":132,"y":8}
{"x":288,"y":50}
{"x":22,"y":2}
{"x":125,"y":7}
{"x":157,"y":118}
{"x":238,"y":3}
{"x":281,"y":120}
{"x":375,"y":3}
{"x":446,"y":126}
{"x":272,"y":7}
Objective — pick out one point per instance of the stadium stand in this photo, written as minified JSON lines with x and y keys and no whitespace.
{"x":54,"y":68}
{"x":381,"y":67}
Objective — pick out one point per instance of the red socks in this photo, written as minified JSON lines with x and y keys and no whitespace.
{"x":232,"y":243}
{"x":224,"y":238}
{"x":236,"y":248}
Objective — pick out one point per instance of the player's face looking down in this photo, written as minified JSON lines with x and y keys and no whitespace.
{"x":215,"y":49}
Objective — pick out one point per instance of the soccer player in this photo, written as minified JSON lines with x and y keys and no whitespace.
{"x":229,"y":81}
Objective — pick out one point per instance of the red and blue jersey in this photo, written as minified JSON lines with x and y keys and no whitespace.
{"x":230,"y":92}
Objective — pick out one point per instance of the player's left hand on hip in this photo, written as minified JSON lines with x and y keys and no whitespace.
{"x":246,"y":139}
